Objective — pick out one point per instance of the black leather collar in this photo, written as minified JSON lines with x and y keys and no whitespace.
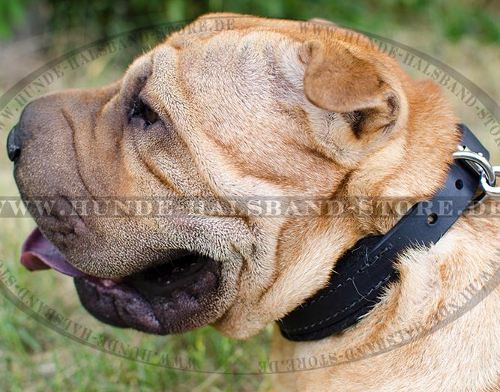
{"x":362,"y":274}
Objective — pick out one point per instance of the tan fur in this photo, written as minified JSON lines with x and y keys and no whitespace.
{"x":265,"y":108}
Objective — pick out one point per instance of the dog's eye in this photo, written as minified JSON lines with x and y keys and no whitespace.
{"x":143,"y":111}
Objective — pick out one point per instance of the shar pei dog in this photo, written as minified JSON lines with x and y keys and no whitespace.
{"x":270,"y":112}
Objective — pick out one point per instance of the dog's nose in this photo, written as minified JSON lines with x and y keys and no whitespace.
{"x":14,"y":144}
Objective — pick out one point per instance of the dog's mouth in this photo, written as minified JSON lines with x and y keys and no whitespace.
{"x":170,"y":297}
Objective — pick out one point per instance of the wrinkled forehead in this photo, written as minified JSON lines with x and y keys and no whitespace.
{"x":233,"y":67}
{"x":224,"y":41}
{"x":236,"y":52}
{"x":227,"y":42}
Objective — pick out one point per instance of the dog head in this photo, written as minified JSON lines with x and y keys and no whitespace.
{"x":258,"y":112}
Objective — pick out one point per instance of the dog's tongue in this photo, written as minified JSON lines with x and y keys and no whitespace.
{"x":39,"y":253}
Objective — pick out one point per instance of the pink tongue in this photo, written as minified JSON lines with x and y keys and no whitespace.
{"x":38,"y":254}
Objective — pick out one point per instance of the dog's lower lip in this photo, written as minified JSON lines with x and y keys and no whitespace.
{"x":167,"y":298}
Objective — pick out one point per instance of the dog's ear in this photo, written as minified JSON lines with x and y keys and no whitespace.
{"x":344,"y":79}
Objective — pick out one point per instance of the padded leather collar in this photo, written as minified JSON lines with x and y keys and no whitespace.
{"x":364,"y":271}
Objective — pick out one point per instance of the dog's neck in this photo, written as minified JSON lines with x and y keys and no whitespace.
{"x":363,"y":273}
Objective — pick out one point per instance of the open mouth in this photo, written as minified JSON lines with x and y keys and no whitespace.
{"x":167,"y":298}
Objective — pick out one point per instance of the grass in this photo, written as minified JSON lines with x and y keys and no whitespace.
{"x":35,"y":358}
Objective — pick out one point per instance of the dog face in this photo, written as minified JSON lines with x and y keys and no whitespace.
{"x":263,"y":109}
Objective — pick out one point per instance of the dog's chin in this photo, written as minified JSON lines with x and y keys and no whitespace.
{"x":169,"y":298}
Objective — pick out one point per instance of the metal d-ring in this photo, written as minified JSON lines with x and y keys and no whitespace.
{"x":479,"y":163}
{"x":484,"y":168}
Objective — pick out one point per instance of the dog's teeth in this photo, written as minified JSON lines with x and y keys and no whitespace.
{"x":108,"y":283}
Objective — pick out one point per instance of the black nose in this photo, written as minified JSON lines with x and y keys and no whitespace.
{"x":14,"y":144}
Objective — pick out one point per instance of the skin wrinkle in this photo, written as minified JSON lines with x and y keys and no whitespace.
{"x":73,"y":145}
{"x":160,"y":101}
{"x":342,"y":188}
{"x":101,"y":110}
{"x":158,"y":175}
{"x":259,"y":174}
{"x":122,"y":150}
{"x":185,"y":92}
{"x":74,"y":210}
{"x":276,"y":269}
{"x":242,"y":270}
{"x":302,"y":117}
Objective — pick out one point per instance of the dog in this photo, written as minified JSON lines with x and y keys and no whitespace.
{"x":263,"y":107}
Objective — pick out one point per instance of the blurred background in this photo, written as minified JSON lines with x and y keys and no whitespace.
{"x":463,"y":34}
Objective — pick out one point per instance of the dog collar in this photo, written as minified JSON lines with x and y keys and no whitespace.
{"x":364,"y":271}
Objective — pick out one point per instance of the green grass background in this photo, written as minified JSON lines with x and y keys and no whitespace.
{"x":463,"y":34}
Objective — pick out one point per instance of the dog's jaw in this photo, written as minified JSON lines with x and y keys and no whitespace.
{"x":160,"y":300}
